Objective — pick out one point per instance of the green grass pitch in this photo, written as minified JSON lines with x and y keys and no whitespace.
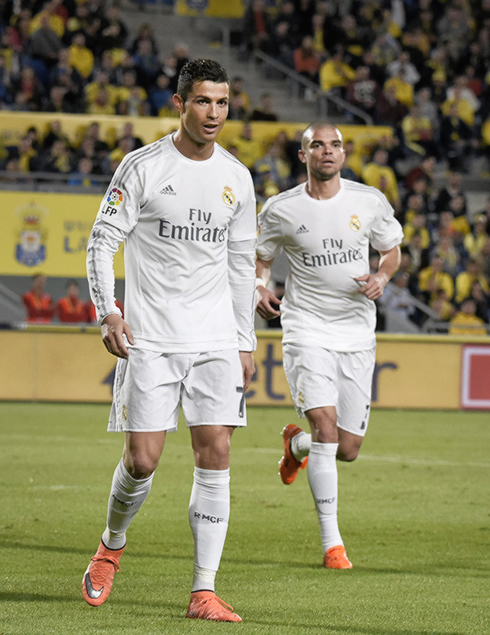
{"x":414,"y":514}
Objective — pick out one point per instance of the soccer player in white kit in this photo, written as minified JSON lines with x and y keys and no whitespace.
{"x":185,"y":209}
{"x":325,"y":227}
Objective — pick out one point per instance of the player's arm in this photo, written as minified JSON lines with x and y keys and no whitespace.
{"x":265,"y":298}
{"x":373,"y":284}
{"x":103,"y":243}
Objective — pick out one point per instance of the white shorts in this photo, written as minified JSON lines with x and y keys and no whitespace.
{"x":149,"y":387}
{"x":319,"y":377}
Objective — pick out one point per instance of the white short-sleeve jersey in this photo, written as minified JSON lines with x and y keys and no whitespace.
{"x":179,"y":218}
{"x":327,"y":245}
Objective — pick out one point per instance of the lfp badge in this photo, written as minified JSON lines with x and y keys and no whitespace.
{"x":30,"y":249}
{"x":115,"y":197}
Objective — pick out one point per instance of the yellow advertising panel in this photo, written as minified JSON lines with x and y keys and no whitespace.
{"x":45,"y":365}
{"x":211,"y":8}
{"x":48,"y":233}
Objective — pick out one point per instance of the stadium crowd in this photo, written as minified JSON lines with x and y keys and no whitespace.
{"x":419,"y":66}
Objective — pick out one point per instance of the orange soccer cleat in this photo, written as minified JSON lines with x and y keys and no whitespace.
{"x":336,"y":558}
{"x":288,"y":465}
{"x":206,"y":605}
{"x":98,"y":578}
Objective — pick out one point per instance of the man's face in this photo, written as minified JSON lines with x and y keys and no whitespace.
{"x":323,"y":153}
{"x":205,"y":110}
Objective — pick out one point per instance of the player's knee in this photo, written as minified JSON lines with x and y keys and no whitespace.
{"x":348,"y":454}
{"x":140,"y":464}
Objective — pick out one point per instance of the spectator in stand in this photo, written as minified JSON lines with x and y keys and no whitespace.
{"x":389,"y":110}
{"x":433,"y":279}
{"x":279,"y":44}
{"x":287,"y":14}
{"x":417,"y":226}
{"x":80,"y":57}
{"x":159,"y":94}
{"x":83,"y":173}
{"x":128,"y":133}
{"x":145,"y":32}
{"x":428,"y":107}
{"x":451,"y":190}
{"x":363,"y":91}
{"x":256,"y":28}
{"x":101,"y":82}
{"x":114,"y":31}
{"x":44,"y":44}
{"x":335,"y":73}
{"x":376,"y":169}
{"x":457,"y":141}
{"x":28,"y":90}
{"x":424,"y":170}
{"x":275,"y":166}
{"x":465,"y":322}
{"x":39,"y":304}
{"x":466,"y":279}
{"x":307,"y":60}
{"x":419,"y":257}
{"x":102,"y":105}
{"x":87,"y":151}
{"x":403,"y":68}
{"x":418,"y":133}
{"x":477,"y":238}
{"x":450,"y":256}
{"x":482,"y":301}
{"x":397,"y":297}
{"x":403,"y":90}
{"x":265,"y":109}
{"x":147,"y":65}
{"x":181,"y":52}
{"x":70,"y":308}
{"x":54,"y":20}
{"x":131,"y":98}
{"x":57,"y":159}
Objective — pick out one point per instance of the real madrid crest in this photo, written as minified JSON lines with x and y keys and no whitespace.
{"x":228,"y":196}
{"x":355,"y":223}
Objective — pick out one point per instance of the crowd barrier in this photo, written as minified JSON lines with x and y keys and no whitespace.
{"x":13,"y":126}
{"x":67,"y":364}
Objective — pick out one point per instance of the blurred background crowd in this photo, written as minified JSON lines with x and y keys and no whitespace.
{"x":418,"y":66}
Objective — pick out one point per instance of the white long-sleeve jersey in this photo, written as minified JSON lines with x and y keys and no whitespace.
{"x":189,"y":232}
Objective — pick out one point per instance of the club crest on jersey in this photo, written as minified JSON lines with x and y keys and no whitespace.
{"x":355,"y":223}
{"x":115,"y":197}
{"x":124,"y":414}
{"x":228,"y":196}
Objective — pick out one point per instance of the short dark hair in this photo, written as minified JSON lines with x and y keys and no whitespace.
{"x":199,"y":70}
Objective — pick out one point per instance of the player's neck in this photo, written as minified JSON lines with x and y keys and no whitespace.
{"x":321,"y":190}
{"x":190,"y":149}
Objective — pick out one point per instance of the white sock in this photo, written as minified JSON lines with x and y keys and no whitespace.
{"x":300,"y":445}
{"x":322,"y":476}
{"x":209,"y":512}
{"x":127,"y":496}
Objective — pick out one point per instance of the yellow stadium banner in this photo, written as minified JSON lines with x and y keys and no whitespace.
{"x":64,"y":364}
{"x":211,"y":8}
{"x":48,"y":233}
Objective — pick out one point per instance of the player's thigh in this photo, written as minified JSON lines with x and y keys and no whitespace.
{"x":355,"y":384}
{"x":212,"y":392}
{"x":147,"y":391}
{"x":312,"y":374}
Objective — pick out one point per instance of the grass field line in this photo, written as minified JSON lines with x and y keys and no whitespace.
{"x":409,"y":460}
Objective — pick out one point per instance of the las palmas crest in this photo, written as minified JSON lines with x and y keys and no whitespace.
{"x":30,"y":249}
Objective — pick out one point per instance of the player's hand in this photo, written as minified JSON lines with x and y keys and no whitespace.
{"x":373,"y":285}
{"x":113,"y":330}
{"x":265,"y":299}
{"x":248,"y":367}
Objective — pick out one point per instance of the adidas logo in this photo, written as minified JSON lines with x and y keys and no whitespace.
{"x":168,"y":190}
{"x":302,"y":230}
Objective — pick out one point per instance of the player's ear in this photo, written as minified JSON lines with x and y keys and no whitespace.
{"x":301,"y":156}
{"x":179,"y":103}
